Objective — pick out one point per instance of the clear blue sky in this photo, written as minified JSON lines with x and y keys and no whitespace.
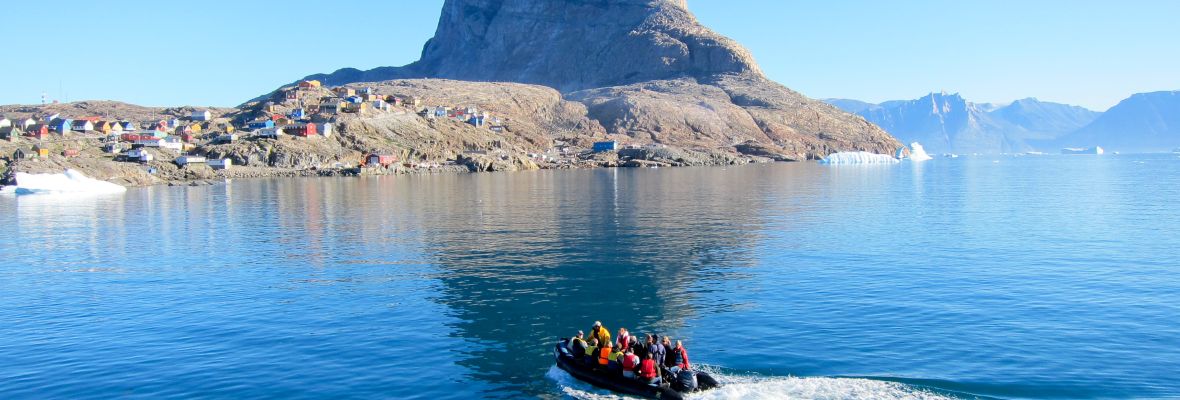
{"x":1091,"y":53}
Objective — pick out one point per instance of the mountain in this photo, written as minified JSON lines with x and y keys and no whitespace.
{"x":1144,"y":122}
{"x":948,"y":123}
{"x":645,"y":69}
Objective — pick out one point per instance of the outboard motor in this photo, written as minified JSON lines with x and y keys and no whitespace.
{"x":687,"y":380}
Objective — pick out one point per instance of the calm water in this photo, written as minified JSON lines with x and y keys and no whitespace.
{"x":1045,"y":277}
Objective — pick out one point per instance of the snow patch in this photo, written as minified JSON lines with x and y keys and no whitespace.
{"x":69,"y":182}
{"x":858,"y":157}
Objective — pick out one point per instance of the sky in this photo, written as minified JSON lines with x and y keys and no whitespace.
{"x":222,"y":53}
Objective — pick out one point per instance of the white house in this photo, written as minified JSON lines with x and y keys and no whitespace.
{"x":82,"y":126}
{"x":5,"y":122}
{"x":140,"y":155}
{"x":325,"y":129}
{"x":203,"y":115}
{"x":186,"y":160}
{"x":272,"y":132}
{"x":25,"y":123}
{"x":223,"y":163}
{"x":128,"y":126}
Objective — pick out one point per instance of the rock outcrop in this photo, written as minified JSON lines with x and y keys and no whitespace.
{"x":645,"y":69}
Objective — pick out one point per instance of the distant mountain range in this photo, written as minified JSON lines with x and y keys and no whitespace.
{"x":950,"y":124}
{"x":947,"y":123}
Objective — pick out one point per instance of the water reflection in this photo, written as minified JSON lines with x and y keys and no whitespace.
{"x":526,"y":258}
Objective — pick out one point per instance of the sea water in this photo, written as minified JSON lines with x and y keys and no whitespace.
{"x":1009,"y":277}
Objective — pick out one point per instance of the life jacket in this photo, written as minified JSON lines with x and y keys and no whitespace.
{"x":604,"y":356}
{"x":648,"y":369}
{"x":681,"y":357}
{"x":625,"y":342}
{"x":616,"y":355}
{"x":630,"y":362}
{"x":590,"y":350}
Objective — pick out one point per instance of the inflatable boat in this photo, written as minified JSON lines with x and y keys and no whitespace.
{"x":674,"y":387}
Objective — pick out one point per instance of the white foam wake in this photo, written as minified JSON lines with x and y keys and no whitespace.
{"x":760,"y":387}
{"x":69,"y":182}
{"x":918,"y":153}
{"x":857,"y":157}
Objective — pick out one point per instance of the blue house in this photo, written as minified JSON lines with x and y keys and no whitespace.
{"x":297,"y":113}
{"x":261,"y":124}
{"x":477,"y":121}
{"x":61,"y":125}
{"x":605,"y":146}
{"x":355,"y":99}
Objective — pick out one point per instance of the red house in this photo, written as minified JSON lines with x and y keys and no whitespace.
{"x":37,"y":131}
{"x":303,"y":130}
{"x":384,"y":160}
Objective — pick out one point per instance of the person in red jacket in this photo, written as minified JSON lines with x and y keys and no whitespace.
{"x":680,"y":355}
{"x":648,"y":371}
{"x":630,"y":363}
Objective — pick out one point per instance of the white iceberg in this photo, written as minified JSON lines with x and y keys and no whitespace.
{"x":917,"y":153}
{"x":69,"y":182}
{"x":858,"y":157}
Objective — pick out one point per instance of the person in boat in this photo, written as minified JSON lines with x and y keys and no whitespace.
{"x":642,"y":349}
{"x":658,"y":351}
{"x":591,"y":352}
{"x":577,"y":345}
{"x":602,"y":355}
{"x":624,"y":341}
{"x":601,"y":333}
{"x":630,"y":363}
{"x":648,"y":371}
{"x":680,"y":357}
{"x":615,"y":363}
{"x":669,"y":358}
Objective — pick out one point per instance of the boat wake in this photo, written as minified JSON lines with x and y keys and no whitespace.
{"x":738,"y":386}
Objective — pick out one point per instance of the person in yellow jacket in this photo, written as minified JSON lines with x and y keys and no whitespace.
{"x":591,"y":352}
{"x":600,"y":332}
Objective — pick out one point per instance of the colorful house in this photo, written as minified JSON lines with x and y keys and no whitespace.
{"x":203,"y":115}
{"x":218,"y":164}
{"x":301,"y":130}
{"x":128,"y":126}
{"x":309,"y":84}
{"x":383,"y":160}
{"x":332,"y":107}
{"x":344,"y":92}
{"x":172,"y":122}
{"x":325,"y":129}
{"x":605,"y":146}
{"x":103,"y":127}
{"x":292,"y":95}
{"x":140,"y":155}
{"x":260,"y":124}
{"x":41,"y":151}
{"x":297,"y":113}
{"x":10,"y":132}
{"x":61,"y":125}
{"x":37,"y":131}
{"x":83,"y":126}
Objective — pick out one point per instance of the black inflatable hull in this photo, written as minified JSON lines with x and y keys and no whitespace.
{"x":617,"y":383}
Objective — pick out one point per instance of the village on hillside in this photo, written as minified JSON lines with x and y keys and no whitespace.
{"x":305,"y":111}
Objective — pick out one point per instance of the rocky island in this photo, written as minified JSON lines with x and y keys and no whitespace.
{"x":614,"y":83}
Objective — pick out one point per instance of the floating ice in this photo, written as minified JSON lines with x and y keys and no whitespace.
{"x":69,"y":182}
{"x":858,"y":157}
{"x":917,"y":153}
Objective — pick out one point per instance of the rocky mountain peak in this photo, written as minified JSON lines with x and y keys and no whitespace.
{"x":575,"y":45}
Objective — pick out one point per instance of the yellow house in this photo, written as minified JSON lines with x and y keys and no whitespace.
{"x":102,"y":126}
{"x":195,"y":128}
{"x":41,"y":151}
{"x":226,"y":127}
{"x":309,"y":84}
{"x":345,"y":92}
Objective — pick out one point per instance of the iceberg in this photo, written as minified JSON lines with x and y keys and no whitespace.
{"x":917,"y":153}
{"x":69,"y":182}
{"x":858,"y":157}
